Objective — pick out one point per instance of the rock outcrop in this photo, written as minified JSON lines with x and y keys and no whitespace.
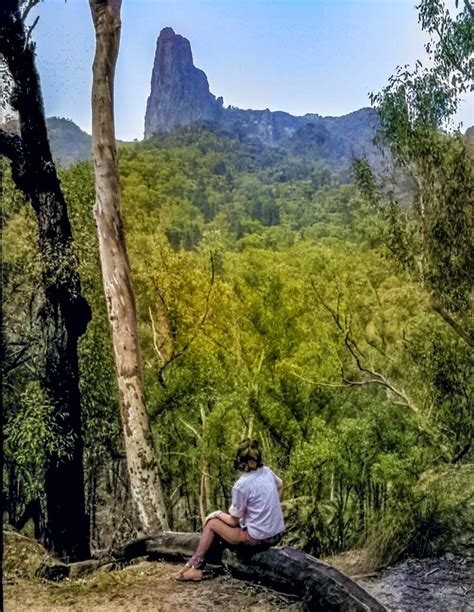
{"x":180,"y":96}
{"x":69,"y":144}
{"x":179,"y":91}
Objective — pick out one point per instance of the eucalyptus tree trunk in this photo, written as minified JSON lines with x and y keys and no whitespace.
{"x":141,"y":456}
{"x":65,"y":313}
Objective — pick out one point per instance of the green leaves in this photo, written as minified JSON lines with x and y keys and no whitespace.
{"x":246,"y":317}
{"x":432,"y":237}
{"x":420,"y":99}
{"x":31,"y":436}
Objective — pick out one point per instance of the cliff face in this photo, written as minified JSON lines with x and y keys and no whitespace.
{"x":180,"y":96}
{"x":179,"y":91}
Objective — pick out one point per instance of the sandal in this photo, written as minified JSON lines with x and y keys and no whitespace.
{"x":192,"y":569}
{"x":190,"y":575}
{"x":182,"y":571}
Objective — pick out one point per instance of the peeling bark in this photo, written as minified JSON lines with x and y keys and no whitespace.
{"x":141,"y":457}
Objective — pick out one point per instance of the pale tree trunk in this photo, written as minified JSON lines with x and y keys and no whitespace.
{"x":141,"y":456}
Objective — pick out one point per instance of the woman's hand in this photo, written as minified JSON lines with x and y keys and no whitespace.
{"x":212,"y":515}
{"x":232,"y":521}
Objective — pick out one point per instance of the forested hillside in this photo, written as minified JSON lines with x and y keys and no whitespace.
{"x":270,"y":302}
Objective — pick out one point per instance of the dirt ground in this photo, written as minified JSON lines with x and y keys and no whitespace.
{"x":139,"y":587}
{"x":444,"y":584}
{"x":147,"y":586}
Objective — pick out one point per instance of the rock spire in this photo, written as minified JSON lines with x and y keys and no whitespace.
{"x":179,"y":91}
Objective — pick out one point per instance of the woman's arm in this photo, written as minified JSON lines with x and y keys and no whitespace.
{"x":228,"y":519}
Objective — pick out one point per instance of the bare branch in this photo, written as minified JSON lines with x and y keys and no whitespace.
{"x":29,"y":5}
{"x":155,"y":344}
{"x":191,"y":428}
{"x":375,"y":378}
{"x":378,"y":379}
{"x":30,"y":30}
{"x":462,"y":453}
{"x":19,"y":360}
{"x":316,"y":383}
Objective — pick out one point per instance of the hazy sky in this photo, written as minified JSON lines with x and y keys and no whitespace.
{"x":299,"y":56}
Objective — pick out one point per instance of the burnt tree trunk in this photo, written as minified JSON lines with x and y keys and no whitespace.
{"x":321,"y":586}
{"x":65,"y":313}
{"x":142,"y":462}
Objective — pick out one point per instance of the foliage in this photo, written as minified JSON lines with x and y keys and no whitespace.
{"x":436,"y":515}
{"x":433,"y":238}
{"x":252,"y":280}
{"x":31,"y":435}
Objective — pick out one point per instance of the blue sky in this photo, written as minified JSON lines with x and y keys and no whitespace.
{"x":299,"y":56}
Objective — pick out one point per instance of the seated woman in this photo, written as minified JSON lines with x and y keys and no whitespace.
{"x":255,"y":516}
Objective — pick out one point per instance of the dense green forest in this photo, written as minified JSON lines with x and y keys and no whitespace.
{"x":273,"y":299}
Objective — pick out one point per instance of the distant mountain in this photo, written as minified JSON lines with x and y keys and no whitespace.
{"x":180,"y":96}
{"x":69,"y":144}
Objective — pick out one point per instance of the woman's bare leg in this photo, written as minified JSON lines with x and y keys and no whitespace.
{"x":231,"y":535}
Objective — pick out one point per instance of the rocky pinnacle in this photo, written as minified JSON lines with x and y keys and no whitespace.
{"x":179,"y":91}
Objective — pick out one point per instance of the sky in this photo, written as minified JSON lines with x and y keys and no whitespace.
{"x":298,"y":56}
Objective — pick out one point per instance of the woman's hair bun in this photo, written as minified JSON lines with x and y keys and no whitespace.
{"x":248,"y":456}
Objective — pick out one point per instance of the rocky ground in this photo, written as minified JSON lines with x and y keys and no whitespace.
{"x":425,"y":584}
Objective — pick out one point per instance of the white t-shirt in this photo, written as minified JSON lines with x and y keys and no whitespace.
{"x":256,"y":502}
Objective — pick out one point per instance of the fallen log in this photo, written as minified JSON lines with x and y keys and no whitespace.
{"x":321,"y":586}
{"x":58,"y":571}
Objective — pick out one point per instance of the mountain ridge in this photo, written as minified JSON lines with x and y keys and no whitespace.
{"x":180,"y":95}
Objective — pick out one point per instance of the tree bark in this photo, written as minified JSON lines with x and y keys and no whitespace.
{"x":141,"y":457}
{"x":65,"y":313}
{"x":321,"y":586}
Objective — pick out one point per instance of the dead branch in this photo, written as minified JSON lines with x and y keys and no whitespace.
{"x":30,"y":31}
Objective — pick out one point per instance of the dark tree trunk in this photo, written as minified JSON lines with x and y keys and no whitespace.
{"x":321,"y":586}
{"x":65,"y":314}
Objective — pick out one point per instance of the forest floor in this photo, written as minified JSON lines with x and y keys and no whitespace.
{"x":144,"y":586}
{"x":444,"y":584}
{"x":139,"y":587}
{"x":437,"y":585}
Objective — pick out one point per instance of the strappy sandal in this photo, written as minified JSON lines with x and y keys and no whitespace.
{"x":190,"y":575}
{"x":191,"y":570}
